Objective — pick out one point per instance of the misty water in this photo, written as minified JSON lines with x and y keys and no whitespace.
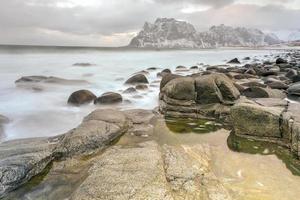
{"x":248,"y":170}
{"x":46,"y":113}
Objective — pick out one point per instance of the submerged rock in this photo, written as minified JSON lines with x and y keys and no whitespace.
{"x":81,"y":97}
{"x":109,"y":98}
{"x":136,"y":79}
{"x":234,"y":61}
{"x":47,"y":79}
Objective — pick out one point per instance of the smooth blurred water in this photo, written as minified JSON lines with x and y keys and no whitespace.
{"x":46,"y":113}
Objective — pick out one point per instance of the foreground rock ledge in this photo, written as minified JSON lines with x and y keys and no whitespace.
{"x":151,"y":172}
{"x":20,"y":160}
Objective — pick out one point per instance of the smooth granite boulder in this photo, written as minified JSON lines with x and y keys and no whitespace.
{"x":81,"y":97}
{"x":137,"y":79}
{"x":109,"y":98}
{"x":215,"y":88}
{"x":256,"y":120}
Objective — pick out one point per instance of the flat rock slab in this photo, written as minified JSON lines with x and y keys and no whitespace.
{"x":132,"y":173}
{"x":148,"y":171}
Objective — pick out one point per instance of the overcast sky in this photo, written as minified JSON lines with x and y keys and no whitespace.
{"x":115,"y":22}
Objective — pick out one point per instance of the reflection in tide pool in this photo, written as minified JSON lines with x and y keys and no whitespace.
{"x":249,"y":170}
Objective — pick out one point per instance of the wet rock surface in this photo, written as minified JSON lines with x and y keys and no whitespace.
{"x":81,"y":97}
{"x":109,"y":98}
{"x":163,"y":173}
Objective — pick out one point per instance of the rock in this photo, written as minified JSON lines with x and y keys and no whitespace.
{"x":146,"y":171}
{"x":167,"y":78}
{"x":251,"y":71}
{"x":291,"y":73}
{"x":141,"y":87}
{"x":166,"y":71}
{"x":82,"y":64}
{"x":109,"y":98}
{"x":20,"y":160}
{"x":152,"y":68}
{"x":254,"y":84}
{"x":182,"y":88}
{"x":278,"y":85}
{"x":45,"y":79}
{"x":130,"y":90}
{"x":234,"y":61}
{"x":281,"y":61}
{"x":137,"y":79}
{"x":247,"y":58}
{"x":3,"y":120}
{"x":256,"y":120}
{"x":296,"y":78}
{"x":194,"y":67}
{"x":215,"y":88}
{"x":81,"y":97}
{"x":294,"y":89}
{"x":181,"y":67}
{"x":97,"y":131}
{"x":259,"y":92}
{"x":126,"y":173}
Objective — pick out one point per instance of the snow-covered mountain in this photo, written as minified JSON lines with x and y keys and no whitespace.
{"x":171,"y":33}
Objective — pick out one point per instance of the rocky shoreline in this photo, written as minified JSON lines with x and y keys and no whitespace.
{"x":250,"y":99}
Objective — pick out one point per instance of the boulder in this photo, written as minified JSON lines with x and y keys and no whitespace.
{"x":83,"y":64}
{"x":141,"y":87}
{"x":167,"y":78}
{"x":46,"y":79}
{"x":291,"y":73}
{"x":259,"y":92}
{"x":280,"y":61}
{"x":254,"y":84}
{"x":296,"y":78}
{"x":109,"y":98}
{"x":215,"y":88}
{"x":81,"y":97}
{"x":251,"y":71}
{"x":97,"y":131}
{"x":137,"y":79}
{"x":294,"y":89}
{"x":182,"y":88}
{"x":256,"y":120}
{"x":278,"y":85}
{"x":130,"y":90}
{"x":234,"y":61}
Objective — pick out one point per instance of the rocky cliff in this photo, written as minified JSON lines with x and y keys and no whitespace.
{"x":171,"y":33}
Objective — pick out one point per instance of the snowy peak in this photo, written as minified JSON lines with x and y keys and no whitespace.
{"x":171,"y":33}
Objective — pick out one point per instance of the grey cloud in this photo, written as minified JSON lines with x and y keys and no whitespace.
{"x":42,"y":22}
{"x":213,"y":3}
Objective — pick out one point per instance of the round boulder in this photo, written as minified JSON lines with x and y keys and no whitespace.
{"x":294,"y":89}
{"x":109,"y":98}
{"x":137,"y":79}
{"x":81,"y":97}
{"x":281,"y":61}
{"x":167,"y":78}
{"x":234,"y":61}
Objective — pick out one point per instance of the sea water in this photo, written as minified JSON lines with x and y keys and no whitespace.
{"x":46,"y":113}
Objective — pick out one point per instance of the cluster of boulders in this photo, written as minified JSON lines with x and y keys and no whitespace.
{"x":81,"y":97}
{"x":251,"y":98}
